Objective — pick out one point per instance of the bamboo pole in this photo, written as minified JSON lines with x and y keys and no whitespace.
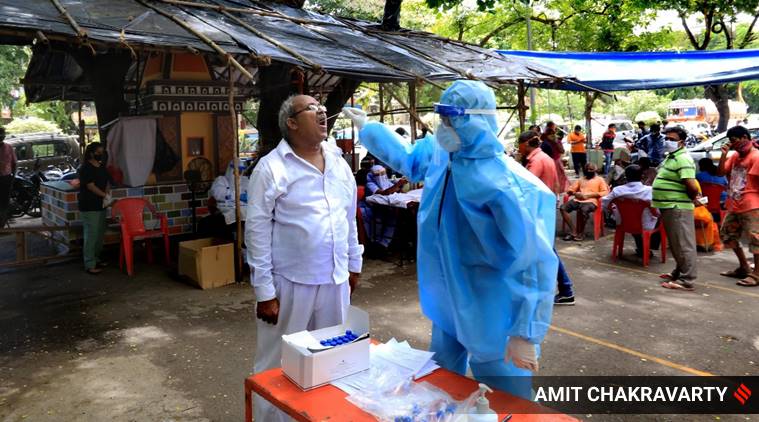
{"x":202,"y":37}
{"x":381,"y":104}
{"x":521,"y":107}
{"x":79,"y":31}
{"x":314,"y":66}
{"x":412,"y":109}
{"x":403,"y":104}
{"x":236,"y":162}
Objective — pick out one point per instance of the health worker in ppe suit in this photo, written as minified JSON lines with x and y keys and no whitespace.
{"x":486,"y":266}
{"x":223,"y":190}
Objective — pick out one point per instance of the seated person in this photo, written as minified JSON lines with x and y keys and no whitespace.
{"x":649,"y":173}
{"x":377,"y":183}
{"x":634,"y":189}
{"x":707,"y":173}
{"x":616,"y":176}
{"x":585,"y":195}
{"x":223,"y":192}
{"x":365,"y":168}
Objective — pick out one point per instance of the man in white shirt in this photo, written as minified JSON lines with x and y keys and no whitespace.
{"x":301,"y":236}
{"x":634,"y":189}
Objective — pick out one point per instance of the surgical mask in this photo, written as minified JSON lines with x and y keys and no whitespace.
{"x":447,"y":137}
{"x":670,"y":146}
{"x":590,"y":174}
{"x":98,"y":157}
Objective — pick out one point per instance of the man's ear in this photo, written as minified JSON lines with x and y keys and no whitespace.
{"x":292,"y":124}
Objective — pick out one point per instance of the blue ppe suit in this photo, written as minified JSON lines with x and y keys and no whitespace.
{"x":485,"y":258}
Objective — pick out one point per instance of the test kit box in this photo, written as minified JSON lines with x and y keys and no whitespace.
{"x":208,"y":262}
{"x":309,"y":369}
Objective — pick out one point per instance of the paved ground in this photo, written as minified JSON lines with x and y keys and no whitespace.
{"x":150,"y":348}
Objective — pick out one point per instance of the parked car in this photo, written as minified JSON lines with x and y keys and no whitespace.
{"x":696,"y":128}
{"x":712,"y":147}
{"x":51,"y":149}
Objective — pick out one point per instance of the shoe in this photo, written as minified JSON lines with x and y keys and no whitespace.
{"x":564,"y":300}
{"x":678,"y":285}
{"x":93,"y":271}
{"x":101,"y":265}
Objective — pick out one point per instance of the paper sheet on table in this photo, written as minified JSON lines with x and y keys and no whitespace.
{"x":399,"y":200}
{"x":389,"y":360}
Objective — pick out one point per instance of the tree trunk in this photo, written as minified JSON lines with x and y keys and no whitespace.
{"x":739,"y":93}
{"x":590,"y":98}
{"x":718,"y":94}
{"x":276,"y":85}
{"x":106,"y":73}
{"x":338,"y":97}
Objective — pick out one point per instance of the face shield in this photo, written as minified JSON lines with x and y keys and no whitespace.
{"x":446,"y":135}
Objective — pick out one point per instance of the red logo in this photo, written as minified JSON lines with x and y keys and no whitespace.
{"x":742,"y":394}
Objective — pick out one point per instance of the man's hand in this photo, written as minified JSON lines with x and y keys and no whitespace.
{"x":268,"y":311}
{"x":725,"y":148}
{"x":523,"y":353}
{"x":353,"y":281}
{"x":579,"y":195}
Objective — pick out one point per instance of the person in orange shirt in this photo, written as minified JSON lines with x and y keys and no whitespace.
{"x":585,"y":196}
{"x":537,"y":161}
{"x":576,"y":141}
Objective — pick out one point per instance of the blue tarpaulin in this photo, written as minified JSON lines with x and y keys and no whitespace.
{"x":639,"y":71}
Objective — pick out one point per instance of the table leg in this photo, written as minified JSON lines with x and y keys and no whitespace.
{"x":248,"y":403}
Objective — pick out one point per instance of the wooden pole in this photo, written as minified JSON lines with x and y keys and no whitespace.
{"x":381,"y":104}
{"x":521,"y":107}
{"x":412,"y":109}
{"x":202,"y":37}
{"x":403,"y":104}
{"x":236,"y":161}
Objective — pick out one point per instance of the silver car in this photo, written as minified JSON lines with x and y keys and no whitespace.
{"x":712,"y":147}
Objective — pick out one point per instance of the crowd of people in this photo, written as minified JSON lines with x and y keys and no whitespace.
{"x":666,"y":178}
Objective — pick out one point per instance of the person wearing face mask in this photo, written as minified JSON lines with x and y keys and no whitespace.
{"x":543,"y":167}
{"x":742,"y":169}
{"x":653,"y":144}
{"x":584,"y":198}
{"x":377,"y":183}
{"x":674,"y":191}
{"x":485,"y":261}
{"x":93,"y":195}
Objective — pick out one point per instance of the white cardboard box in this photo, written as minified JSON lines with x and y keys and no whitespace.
{"x":312,"y":369}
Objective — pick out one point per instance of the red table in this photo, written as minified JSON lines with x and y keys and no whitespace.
{"x":328,"y":402}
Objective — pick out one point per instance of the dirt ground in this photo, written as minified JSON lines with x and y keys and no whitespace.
{"x":75,"y":347}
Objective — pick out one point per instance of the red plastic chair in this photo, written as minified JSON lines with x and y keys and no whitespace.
{"x":598,"y":221}
{"x":631,"y":211}
{"x":714,"y":191}
{"x":129,"y":211}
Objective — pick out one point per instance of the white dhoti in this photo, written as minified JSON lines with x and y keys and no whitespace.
{"x":301,"y":307}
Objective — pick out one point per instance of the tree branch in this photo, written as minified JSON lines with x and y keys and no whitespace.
{"x":497,"y":29}
{"x":749,"y":37}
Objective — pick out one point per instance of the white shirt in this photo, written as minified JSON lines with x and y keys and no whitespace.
{"x":301,"y":223}
{"x":631,"y":190}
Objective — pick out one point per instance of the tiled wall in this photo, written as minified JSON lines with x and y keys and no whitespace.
{"x":60,"y":207}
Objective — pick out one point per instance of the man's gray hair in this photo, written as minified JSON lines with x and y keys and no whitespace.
{"x":285,"y":111}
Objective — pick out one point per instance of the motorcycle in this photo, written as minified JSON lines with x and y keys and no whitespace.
{"x":25,"y":193}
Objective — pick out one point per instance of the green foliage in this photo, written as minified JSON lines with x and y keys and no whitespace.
{"x":30,"y":124}
{"x":58,"y":112}
{"x":13,"y":61}
{"x":370,"y":10}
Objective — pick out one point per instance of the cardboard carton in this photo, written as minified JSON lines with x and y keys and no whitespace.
{"x":207,"y":262}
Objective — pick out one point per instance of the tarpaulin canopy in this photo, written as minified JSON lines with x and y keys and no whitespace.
{"x":639,"y":71}
{"x":255,"y":33}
